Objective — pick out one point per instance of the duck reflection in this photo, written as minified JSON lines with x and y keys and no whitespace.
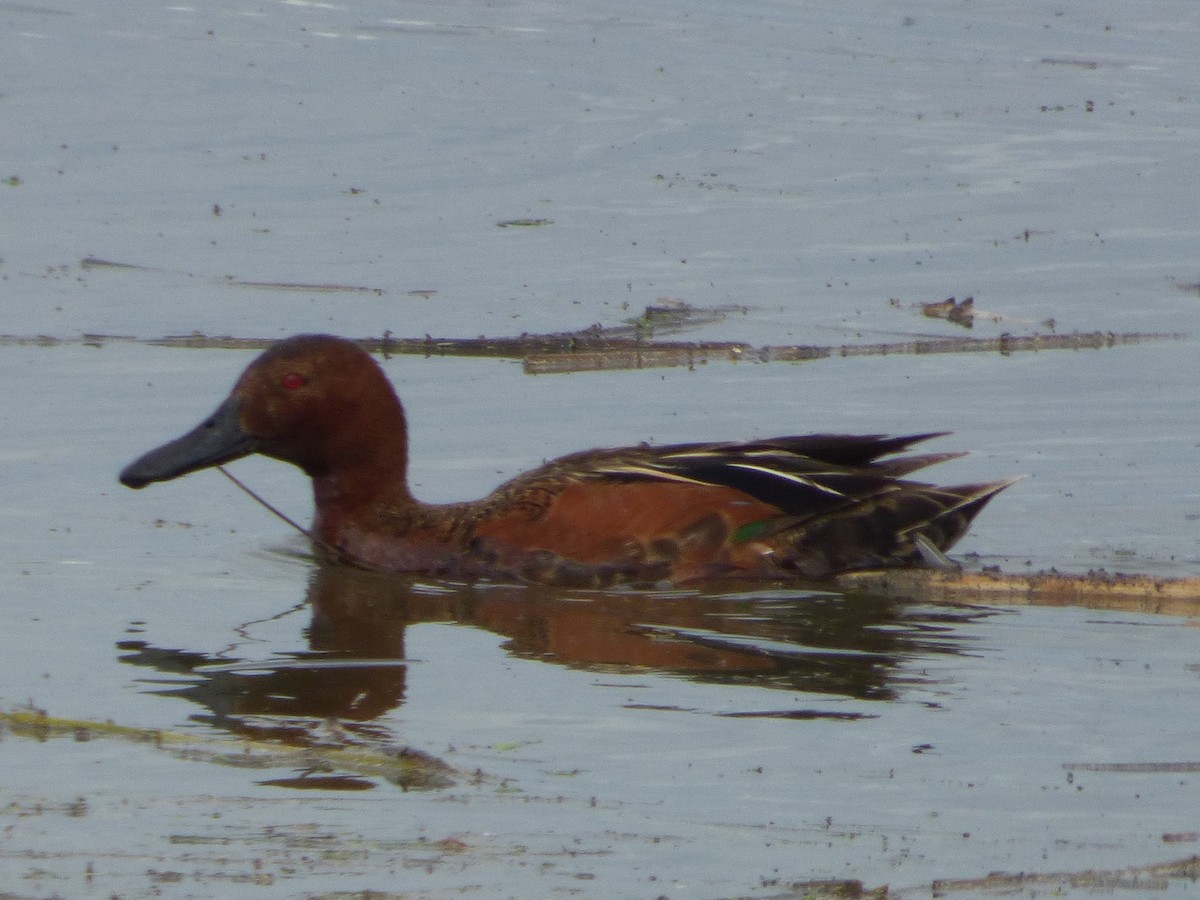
{"x":807,"y":642}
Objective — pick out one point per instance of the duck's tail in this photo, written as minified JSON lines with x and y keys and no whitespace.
{"x":911,"y":524}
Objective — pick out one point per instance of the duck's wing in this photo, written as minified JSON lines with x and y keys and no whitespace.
{"x":804,"y":505}
{"x":802,"y":476}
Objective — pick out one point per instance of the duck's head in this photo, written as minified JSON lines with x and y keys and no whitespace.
{"x":316,"y":401}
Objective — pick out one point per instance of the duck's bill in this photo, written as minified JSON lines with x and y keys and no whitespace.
{"x":218,"y":439}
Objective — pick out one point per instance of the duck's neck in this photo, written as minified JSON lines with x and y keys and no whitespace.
{"x":362,"y":476}
{"x":375,"y":522}
{"x":361,"y":490}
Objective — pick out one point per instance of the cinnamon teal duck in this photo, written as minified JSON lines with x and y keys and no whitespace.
{"x":798,"y":507}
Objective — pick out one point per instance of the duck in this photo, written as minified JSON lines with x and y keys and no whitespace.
{"x":794,"y":508}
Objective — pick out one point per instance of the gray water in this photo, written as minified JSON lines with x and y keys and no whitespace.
{"x":811,"y":163}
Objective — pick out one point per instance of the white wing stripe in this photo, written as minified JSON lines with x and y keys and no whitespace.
{"x":785,"y":476}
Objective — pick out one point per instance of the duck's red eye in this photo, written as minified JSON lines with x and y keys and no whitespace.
{"x":293,"y":380}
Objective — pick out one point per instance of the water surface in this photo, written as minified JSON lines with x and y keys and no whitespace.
{"x":822,"y":169}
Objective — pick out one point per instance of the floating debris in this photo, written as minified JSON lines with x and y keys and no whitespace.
{"x":959,"y":312}
{"x":1155,"y":876}
{"x":353,"y":763}
{"x":1094,"y":590}
{"x":524,"y":223}
{"x":93,"y":262}
{"x":598,"y":348}
{"x":1136,"y":768}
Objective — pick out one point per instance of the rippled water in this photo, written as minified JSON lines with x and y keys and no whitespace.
{"x":812,"y":165}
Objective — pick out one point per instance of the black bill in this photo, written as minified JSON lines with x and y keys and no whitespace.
{"x":218,"y":439}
